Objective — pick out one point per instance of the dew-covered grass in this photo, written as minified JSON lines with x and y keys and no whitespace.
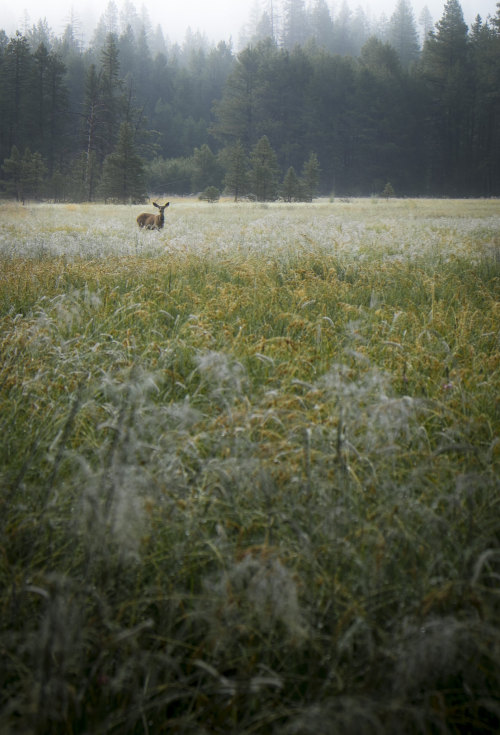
{"x":250,"y":468}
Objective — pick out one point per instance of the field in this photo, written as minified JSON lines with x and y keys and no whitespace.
{"x":250,"y":469}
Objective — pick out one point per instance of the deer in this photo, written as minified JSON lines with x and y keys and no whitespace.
{"x":153,"y":221}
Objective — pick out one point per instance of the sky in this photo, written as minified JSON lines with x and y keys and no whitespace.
{"x":217,"y":19}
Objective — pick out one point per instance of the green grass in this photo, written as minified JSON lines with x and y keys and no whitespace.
{"x":250,"y":469}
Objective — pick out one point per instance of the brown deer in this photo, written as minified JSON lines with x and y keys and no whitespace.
{"x":153,"y":221}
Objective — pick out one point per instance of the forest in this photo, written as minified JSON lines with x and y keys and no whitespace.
{"x":311,"y":103}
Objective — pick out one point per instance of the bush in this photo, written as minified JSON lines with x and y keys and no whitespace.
{"x":211,"y":194}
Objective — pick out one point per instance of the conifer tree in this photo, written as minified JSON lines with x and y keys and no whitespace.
{"x":403,"y":34}
{"x":310,"y":177}
{"x":296,"y":31}
{"x":236,"y":178}
{"x":291,"y":189}
{"x":264,"y":172}
{"x":447,"y":75}
{"x":24,"y":175}
{"x":123,"y":176}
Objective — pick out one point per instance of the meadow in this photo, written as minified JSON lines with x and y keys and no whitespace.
{"x":250,"y":469}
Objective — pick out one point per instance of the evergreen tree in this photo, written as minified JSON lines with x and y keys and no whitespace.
{"x":92,"y":129}
{"x":34,"y":171}
{"x":206,"y":169}
{"x":447,"y":75}
{"x":24,"y":176}
{"x":342,"y":31}
{"x":111,"y":86}
{"x":321,"y":25}
{"x":403,"y":34}
{"x":484,"y":52}
{"x":310,"y":177}
{"x":426,"y":22}
{"x":291,"y":189}
{"x":123,"y":177}
{"x":50,"y":98}
{"x":236,"y":113}
{"x":17,"y":114}
{"x":264,"y":171}
{"x":236,"y":178}
{"x":12,"y":168}
{"x":295,"y":30}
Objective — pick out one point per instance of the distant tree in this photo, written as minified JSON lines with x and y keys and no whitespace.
{"x":12,"y":168}
{"x":173,"y":174}
{"x":295,"y":24}
{"x":236,"y":178}
{"x":447,"y":75}
{"x":360,"y":30}
{"x":264,"y":171}
{"x":123,"y":176}
{"x":111,"y":85}
{"x":50,"y":101}
{"x":342,"y":31}
{"x":388,"y":190}
{"x":403,"y":35}
{"x":235,"y":112}
{"x":321,"y":25}
{"x":291,"y":189}
{"x":34,"y":171}
{"x":265,"y":28}
{"x":206,"y":169}
{"x":484,"y":55}
{"x":92,"y":129}
{"x":24,"y":175}
{"x":425,"y":21}
{"x":16,"y":79}
{"x":211,"y":194}
{"x":310,"y":177}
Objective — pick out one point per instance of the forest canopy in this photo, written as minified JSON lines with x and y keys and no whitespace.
{"x":312,"y":103}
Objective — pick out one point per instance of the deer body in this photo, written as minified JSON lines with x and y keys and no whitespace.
{"x":153,"y":221}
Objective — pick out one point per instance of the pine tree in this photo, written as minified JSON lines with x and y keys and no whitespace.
{"x":12,"y":168}
{"x":310,"y":177}
{"x":264,"y":172}
{"x":295,"y":31}
{"x":403,"y":34}
{"x":111,"y":87}
{"x":448,"y":78}
{"x":291,"y":189}
{"x":484,"y":53}
{"x":17,"y":112}
{"x":236,"y":111}
{"x":92,"y":129}
{"x":123,"y":177}
{"x":321,"y":25}
{"x":426,"y":22}
{"x":206,"y":170}
{"x":24,"y":176}
{"x":50,"y":97}
{"x":236,"y":178}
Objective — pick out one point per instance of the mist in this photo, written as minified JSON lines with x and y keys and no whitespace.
{"x":218,"y":20}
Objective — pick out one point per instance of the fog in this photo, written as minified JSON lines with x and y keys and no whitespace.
{"x":217,"y":19}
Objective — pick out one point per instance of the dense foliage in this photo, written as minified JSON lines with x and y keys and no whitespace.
{"x":368,"y":102}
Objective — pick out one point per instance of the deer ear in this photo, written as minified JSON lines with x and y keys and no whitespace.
{"x":167,"y":204}
{"x":156,"y":205}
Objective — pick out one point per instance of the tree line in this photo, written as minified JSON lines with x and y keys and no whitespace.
{"x":311,"y":104}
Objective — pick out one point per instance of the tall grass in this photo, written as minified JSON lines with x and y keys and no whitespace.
{"x":250,"y":469}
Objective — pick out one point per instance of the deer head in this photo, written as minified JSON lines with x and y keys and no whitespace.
{"x":153,"y":221}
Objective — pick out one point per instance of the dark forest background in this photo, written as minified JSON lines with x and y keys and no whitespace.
{"x":312,"y":103}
